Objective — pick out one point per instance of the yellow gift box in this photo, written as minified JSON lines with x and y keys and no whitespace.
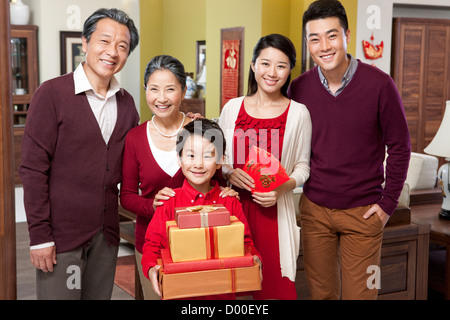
{"x":206,"y":243}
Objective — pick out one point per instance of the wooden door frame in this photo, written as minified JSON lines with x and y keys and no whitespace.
{"x":8,"y":276}
{"x":423,"y":26}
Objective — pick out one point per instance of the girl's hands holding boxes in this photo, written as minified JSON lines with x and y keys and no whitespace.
{"x":153,"y":276}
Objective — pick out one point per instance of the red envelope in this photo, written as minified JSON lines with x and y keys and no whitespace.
{"x":265,"y":169}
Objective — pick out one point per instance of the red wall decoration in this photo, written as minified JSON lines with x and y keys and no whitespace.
{"x":230,"y":70}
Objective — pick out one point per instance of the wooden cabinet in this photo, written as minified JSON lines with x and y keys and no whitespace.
{"x":421,"y":70}
{"x":193,"y":105}
{"x":25,"y":79}
{"x":404,"y":262}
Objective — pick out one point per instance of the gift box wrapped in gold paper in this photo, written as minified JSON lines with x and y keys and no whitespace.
{"x":206,"y":243}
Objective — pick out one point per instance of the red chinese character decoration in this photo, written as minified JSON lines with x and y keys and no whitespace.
{"x":230,"y":70}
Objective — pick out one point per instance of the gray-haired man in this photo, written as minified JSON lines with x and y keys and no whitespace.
{"x":71,"y":164}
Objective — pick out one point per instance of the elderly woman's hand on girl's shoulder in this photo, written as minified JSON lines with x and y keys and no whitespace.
{"x":194,"y":116}
{"x":162,"y":195}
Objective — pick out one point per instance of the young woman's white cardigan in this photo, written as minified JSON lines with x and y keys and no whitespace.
{"x":295,"y":159}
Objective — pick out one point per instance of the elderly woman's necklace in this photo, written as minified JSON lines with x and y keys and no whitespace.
{"x":169,"y":135}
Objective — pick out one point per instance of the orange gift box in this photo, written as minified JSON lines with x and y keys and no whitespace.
{"x":202,"y":216}
{"x":210,"y":282}
{"x":266,"y":171}
{"x":206,"y":243}
{"x":201,"y":265}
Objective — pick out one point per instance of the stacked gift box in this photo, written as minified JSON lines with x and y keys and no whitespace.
{"x":206,"y":255}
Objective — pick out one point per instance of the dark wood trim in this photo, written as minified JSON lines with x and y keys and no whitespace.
{"x":63,"y":37}
{"x":428,"y":196}
{"x":7,"y":205}
{"x":198,"y":67}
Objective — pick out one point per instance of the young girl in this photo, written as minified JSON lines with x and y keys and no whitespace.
{"x":149,"y":168}
{"x":200,"y":148}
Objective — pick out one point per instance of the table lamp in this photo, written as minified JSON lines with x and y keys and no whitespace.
{"x":440,"y":146}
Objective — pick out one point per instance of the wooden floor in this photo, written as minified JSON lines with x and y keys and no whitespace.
{"x":26,"y":273}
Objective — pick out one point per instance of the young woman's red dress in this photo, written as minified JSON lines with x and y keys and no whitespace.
{"x":266,"y":134}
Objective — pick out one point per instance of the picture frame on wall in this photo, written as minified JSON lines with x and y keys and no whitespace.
{"x":71,"y":50}
{"x":201,"y":56}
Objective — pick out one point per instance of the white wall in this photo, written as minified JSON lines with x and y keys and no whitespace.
{"x":375,"y":18}
{"x":53,"y":16}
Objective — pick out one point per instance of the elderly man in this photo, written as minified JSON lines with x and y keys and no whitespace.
{"x":71,"y":164}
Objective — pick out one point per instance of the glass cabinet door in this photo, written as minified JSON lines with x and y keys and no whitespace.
{"x":23,"y":69}
{"x":19,"y":65}
{"x":20,"y":86}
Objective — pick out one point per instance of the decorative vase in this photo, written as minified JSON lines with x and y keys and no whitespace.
{"x":201,"y":83}
{"x":20,"y":13}
{"x":444,"y":183}
{"x":190,"y":88}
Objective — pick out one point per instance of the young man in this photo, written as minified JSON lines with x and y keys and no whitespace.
{"x":357,"y":115}
{"x":71,"y":164}
{"x":200,"y":147}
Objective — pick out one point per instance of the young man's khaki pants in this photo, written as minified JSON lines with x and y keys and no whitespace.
{"x":341,"y":250}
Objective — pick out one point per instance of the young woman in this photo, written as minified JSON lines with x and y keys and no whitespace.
{"x":266,"y":118}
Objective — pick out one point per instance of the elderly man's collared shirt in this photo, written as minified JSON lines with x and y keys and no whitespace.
{"x":104,"y":108}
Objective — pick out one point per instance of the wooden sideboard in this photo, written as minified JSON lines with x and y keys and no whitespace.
{"x":193,"y":105}
{"x":439,"y":262}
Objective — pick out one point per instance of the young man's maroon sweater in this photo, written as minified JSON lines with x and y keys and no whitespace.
{"x":69,"y":173}
{"x":350,"y":133}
